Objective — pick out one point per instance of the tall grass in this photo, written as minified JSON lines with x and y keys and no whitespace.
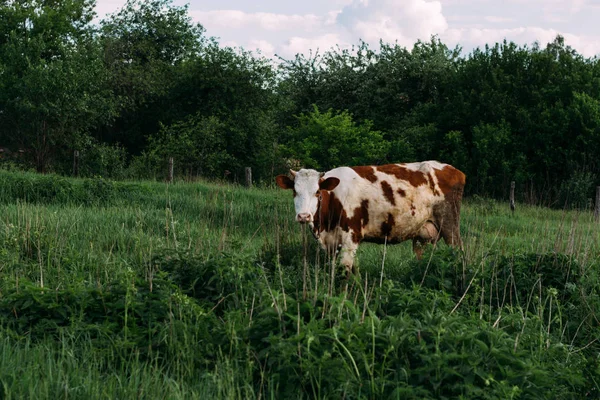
{"x":199,"y":290}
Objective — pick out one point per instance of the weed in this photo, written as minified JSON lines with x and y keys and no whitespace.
{"x":123,"y":290}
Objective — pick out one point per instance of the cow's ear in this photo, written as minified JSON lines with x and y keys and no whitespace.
{"x":284,"y":182}
{"x":329,"y":183}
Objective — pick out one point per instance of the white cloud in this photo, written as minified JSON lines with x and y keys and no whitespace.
{"x":497,"y":20}
{"x":271,"y":33}
{"x":303,"y":45}
{"x":577,"y":5}
{"x":555,"y":10}
{"x":475,"y":37}
{"x":390,"y":20}
{"x":237,"y":19}
{"x":477,"y":21}
{"x":570,"y":6}
{"x":467,"y":2}
{"x":229,"y":43}
{"x":331,"y":17}
{"x":266,"y":48}
{"x":469,"y":23}
{"x":104,"y":7}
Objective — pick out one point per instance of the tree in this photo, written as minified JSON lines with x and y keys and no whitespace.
{"x":52,"y":77}
{"x":144,"y":45}
{"x":491,"y":164}
{"x":237,"y":88}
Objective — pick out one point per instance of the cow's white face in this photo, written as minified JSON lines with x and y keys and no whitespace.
{"x":307,"y":184}
{"x":306,"y":197}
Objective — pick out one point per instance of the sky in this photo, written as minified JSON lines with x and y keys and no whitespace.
{"x":287,"y":28}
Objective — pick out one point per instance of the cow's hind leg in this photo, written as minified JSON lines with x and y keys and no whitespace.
{"x":448,"y":218}
{"x":450,"y":230}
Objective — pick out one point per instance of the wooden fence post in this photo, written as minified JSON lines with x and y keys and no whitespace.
{"x":512,"y":196}
{"x":76,"y":163}
{"x":170,"y":178}
{"x":248,"y":177}
{"x":597,"y":205}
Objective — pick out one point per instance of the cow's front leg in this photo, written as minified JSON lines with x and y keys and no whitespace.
{"x":348,"y":257}
{"x":418,"y":248}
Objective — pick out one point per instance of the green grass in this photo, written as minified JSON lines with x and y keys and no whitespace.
{"x":204,"y":290}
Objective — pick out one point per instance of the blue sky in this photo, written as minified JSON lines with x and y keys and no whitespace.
{"x":286,"y":27}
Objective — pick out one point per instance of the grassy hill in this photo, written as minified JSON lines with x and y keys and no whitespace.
{"x":204,"y":290}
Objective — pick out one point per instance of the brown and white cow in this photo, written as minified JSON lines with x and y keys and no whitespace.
{"x":383,"y":204}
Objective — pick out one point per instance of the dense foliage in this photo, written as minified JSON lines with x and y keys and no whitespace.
{"x":147,"y":84}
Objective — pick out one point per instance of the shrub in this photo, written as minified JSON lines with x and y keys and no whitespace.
{"x":227,"y":278}
{"x":103,"y":160}
{"x":327,"y":140}
{"x":199,"y":144}
{"x":577,"y":191}
{"x":396,"y":341}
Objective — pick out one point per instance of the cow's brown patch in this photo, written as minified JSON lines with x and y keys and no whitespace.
{"x":415,"y":178}
{"x":401,"y":192}
{"x":331,"y":214}
{"x":364,"y":210}
{"x":387,"y":225}
{"x":360,"y":218}
{"x":450,"y":179}
{"x":366,"y":172}
{"x":447,"y":215}
{"x":388,"y":192}
{"x":432,"y":185}
{"x":326,"y":209}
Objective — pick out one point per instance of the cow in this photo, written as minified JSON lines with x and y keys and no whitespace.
{"x":388,"y":203}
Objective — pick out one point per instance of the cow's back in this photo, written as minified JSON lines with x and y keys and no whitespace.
{"x":394,"y":201}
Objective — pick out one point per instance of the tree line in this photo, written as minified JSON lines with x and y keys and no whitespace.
{"x":146,"y":84}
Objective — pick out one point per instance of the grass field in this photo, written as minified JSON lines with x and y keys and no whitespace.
{"x":202,"y":290}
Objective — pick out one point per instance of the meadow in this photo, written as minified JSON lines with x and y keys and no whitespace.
{"x":212,"y":291}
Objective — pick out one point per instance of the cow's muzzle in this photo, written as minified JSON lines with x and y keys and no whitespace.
{"x":303,"y":218}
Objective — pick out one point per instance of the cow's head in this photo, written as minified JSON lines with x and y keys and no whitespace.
{"x":307,"y":185}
